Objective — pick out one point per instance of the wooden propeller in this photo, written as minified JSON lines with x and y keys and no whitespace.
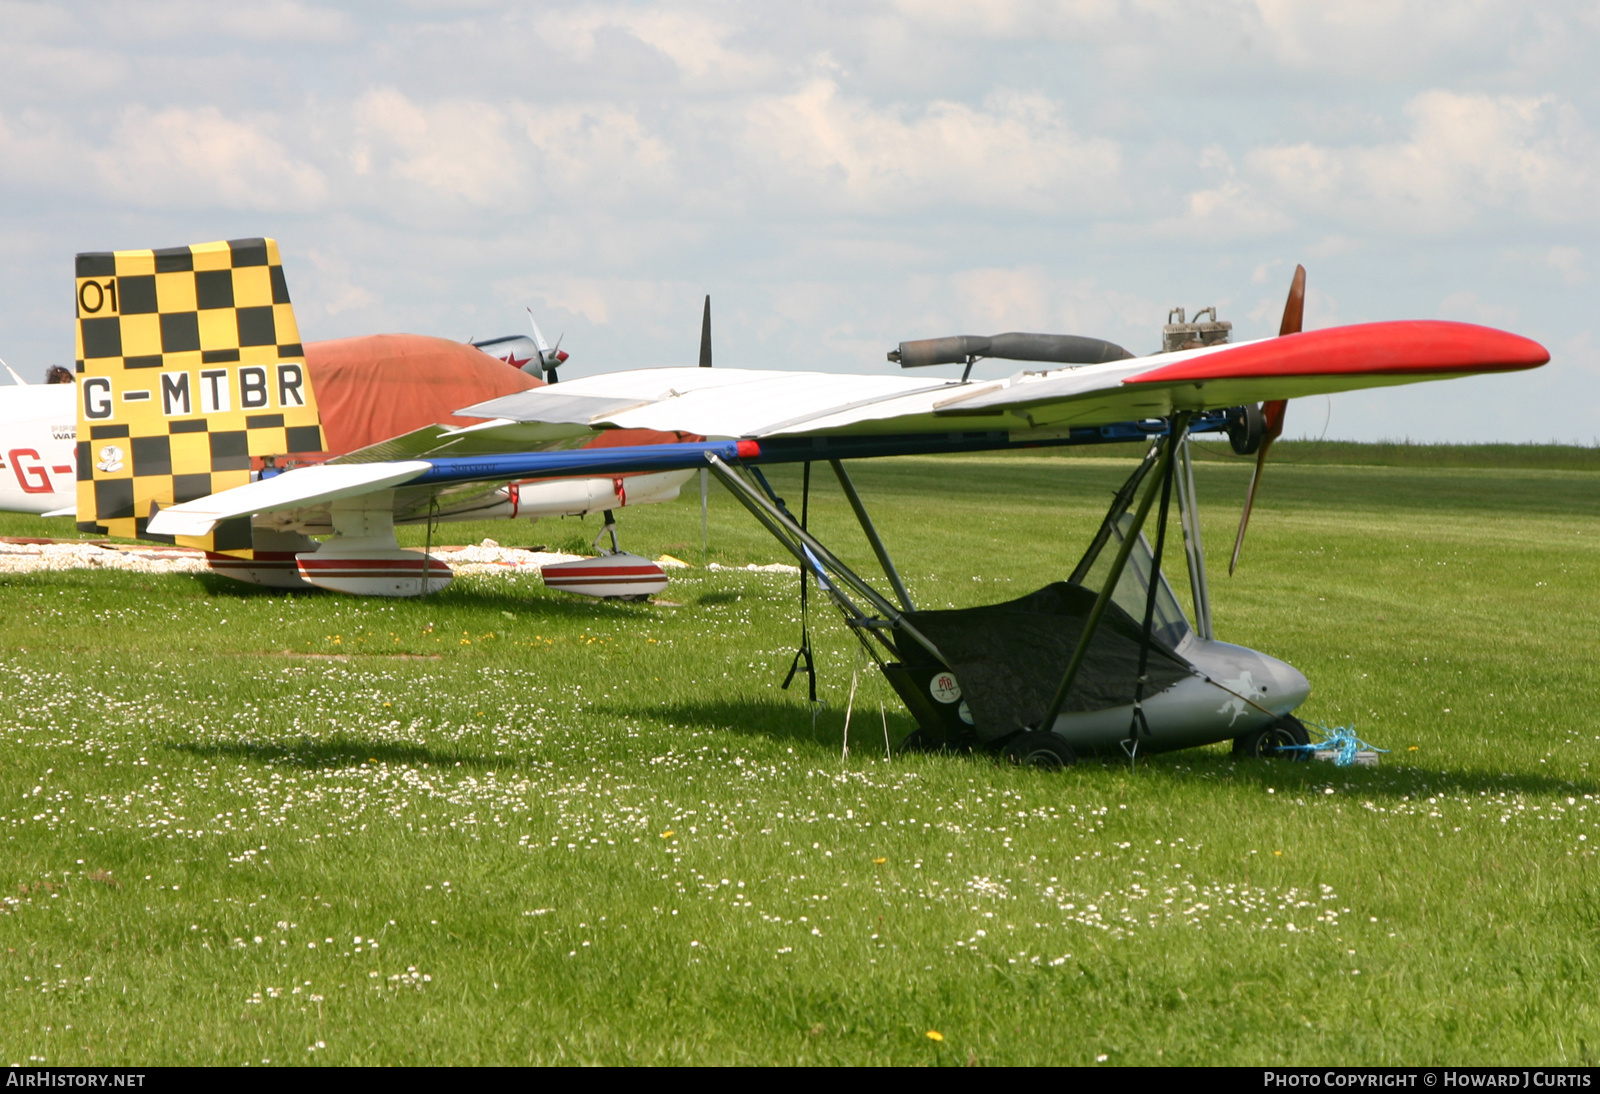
{"x":1294,"y":310}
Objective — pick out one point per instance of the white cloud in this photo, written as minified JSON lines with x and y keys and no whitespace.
{"x":510,"y":157}
{"x":198,"y":157}
{"x":248,"y":20}
{"x":1468,"y":307}
{"x":1568,"y":262}
{"x":1373,"y":42}
{"x":576,"y":296}
{"x":1466,"y":155}
{"x":1228,"y":211}
{"x":1466,"y":158}
{"x":1006,"y":19}
{"x":595,"y":150}
{"x":329,"y":287}
{"x":457,"y":148}
{"x":167,"y":159}
{"x":696,"y":44}
{"x":1258,"y":276}
{"x":1015,"y":152}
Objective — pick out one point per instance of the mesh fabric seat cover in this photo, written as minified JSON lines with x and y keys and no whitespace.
{"x":1009,"y":658}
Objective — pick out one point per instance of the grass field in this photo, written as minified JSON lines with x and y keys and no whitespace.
{"x":507,"y":826}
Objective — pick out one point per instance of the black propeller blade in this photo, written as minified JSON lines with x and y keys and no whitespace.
{"x":705,"y":335}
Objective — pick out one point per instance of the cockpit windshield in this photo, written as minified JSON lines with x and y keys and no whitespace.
{"x":1169,"y":624}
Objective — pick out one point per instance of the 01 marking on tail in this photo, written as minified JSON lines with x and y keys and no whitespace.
{"x":189,"y":363}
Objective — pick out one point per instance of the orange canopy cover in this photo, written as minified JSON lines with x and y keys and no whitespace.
{"x":376,"y":387}
{"x":379,"y":386}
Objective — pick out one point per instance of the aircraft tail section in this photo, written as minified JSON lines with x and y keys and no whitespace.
{"x":190,"y":375}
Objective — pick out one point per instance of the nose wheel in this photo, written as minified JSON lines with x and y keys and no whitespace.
{"x":1044,"y":751}
{"x":1276,"y":741}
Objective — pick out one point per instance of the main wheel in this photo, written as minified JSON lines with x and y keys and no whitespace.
{"x":1045,"y":751}
{"x":1275,"y":742}
{"x":916,"y":741}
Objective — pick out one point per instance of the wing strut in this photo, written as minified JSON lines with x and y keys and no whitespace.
{"x":1139,"y":721}
{"x":1194,"y":551}
{"x":900,"y":591}
{"x":804,"y":652}
{"x":820,"y":562}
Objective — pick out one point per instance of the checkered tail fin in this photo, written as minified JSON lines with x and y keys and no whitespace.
{"x":191,"y":378}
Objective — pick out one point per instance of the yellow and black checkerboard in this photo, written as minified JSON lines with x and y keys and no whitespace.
{"x":189,"y":364}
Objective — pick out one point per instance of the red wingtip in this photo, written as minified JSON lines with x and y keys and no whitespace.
{"x":749,"y":450}
{"x":1415,"y":347}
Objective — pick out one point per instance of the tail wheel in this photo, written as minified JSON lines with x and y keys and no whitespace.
{"x":1275,"y":741}
{"x":1045,"y":751}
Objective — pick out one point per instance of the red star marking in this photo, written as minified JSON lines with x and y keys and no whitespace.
{"x":511,"y":359}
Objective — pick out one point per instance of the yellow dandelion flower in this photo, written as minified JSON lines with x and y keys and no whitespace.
{"x":668,"y":832}
{"x":880,"y":861}
{"x":935,"y":1035}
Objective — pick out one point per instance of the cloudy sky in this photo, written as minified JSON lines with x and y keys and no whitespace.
{"x":838,"y":176}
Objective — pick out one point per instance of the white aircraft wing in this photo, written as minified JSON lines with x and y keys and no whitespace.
{"x":298,"y":489}
{"x":731,"y":403}
{"x":543,"y":433}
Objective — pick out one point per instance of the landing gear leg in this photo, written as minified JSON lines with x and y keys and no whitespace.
{"x":610,"y":526}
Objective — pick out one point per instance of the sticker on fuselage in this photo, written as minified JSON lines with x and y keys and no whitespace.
{"x":964,"y":712}
{"x":944,"y":688}
{"x":110,"y":459}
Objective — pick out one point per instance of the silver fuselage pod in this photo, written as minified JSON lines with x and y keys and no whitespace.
{"x":1197,"y":710}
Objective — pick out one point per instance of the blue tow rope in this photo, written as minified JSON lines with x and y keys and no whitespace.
{"x":1341,"y":741}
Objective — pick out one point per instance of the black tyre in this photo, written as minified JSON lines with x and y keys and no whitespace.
{"x":1045,"y":751}
{"x":1246,"y":426}
{"x":916,"y":741}
{"x":1275,"y":742}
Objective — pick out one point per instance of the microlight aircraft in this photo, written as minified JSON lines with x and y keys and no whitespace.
{"x":1103,"y":661}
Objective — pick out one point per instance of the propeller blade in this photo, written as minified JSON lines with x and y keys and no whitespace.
{"x":1294,"y":313}
{"x":538,"y":335}
{"x":705,"y":335}
{"x":1273,"y":413}
{"x":1294,"y":309}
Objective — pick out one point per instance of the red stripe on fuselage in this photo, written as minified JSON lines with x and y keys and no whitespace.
{"x":642,"y":579}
